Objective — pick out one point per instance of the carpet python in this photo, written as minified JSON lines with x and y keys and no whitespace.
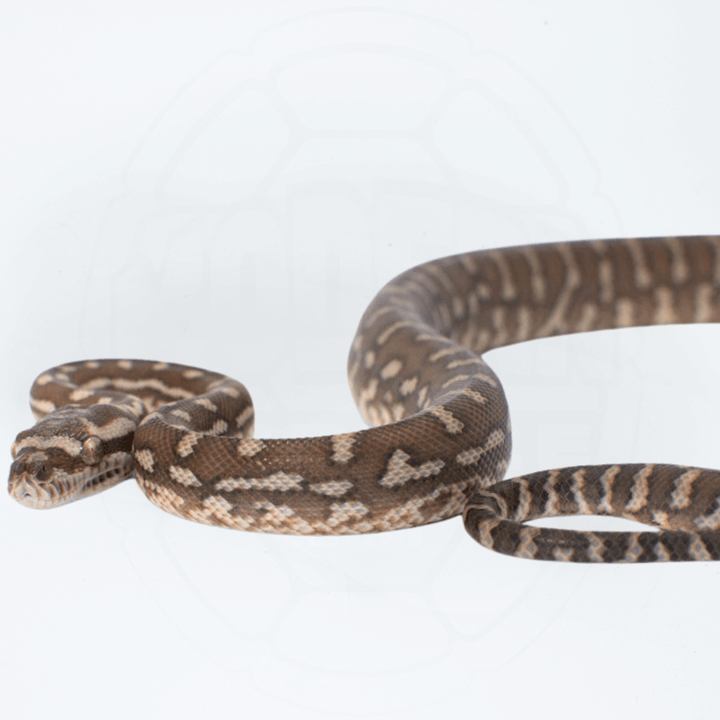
{"x":439,"y":444}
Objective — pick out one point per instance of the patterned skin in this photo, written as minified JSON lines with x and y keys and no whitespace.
{"x":440,"y":441}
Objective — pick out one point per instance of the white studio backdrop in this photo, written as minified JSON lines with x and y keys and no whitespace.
{"x":228,"y":186}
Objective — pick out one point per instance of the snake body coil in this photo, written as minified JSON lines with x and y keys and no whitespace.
{"x":440,"y":444}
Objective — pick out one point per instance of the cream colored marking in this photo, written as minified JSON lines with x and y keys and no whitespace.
{"x":219,"y":427}
{"x":578,"y":489}
{"x":556,"y":321}
{"x":708,"y":522}
{"x":634,"y":548}
{"x":132,"y":385}
{"x":607,"y":482}
{"x":230,"y":391}
{"x":522,"y":510}
{"x":188,"y":442}
{"x":160,"y":495}
{"x":486,"y":378}
{"x":485,"y":529}
{"x":467,"y":261}
{"x":220,"y":508}
{"x":117,"y":428}
{"x":247,"y":447}
{"x":342,"y":512}
{"x":207,"y":404}
{"x":422,"y":396}
{"x":507,"y":286}
{"x":458,"y":307}
{"x":181,"y":414}
{"x":192,"y":374}
{"x":247,"y":414}
{"x":406,"y":515}
{"x":624,"y":313}
{"x":527,"y":548}
{"x":643,"y":277}
{"x":184,"y":476}
{"x":661,"y":552}
{"x":680,"y":496}
{"x":125,"y":364}
{"x":62,"y":377}
{"x":91,"y":364}
{"x":596,"y":547}
{"x":665,"y":309}
{"x":456,"y":379}
{"x":444,"y":352}
{"x":588,"y":316}
{"x":379,"y":313}
{"x":331,"y":487}
{"x":562,"y":554}
{"x":69,"y":445}
{"x":399,"y":471}
{"x":44,"y":407}
{"x":80,"y":394}
{"x":451,"y":423}
{"x":440,"y":274}
{"x":44,"y":379}
{"x":640,"y":489}
{"x":552,"y":507}
{"x":500,"y":325}
{"x":342,"y":447}
{"x":391,"y":370}
{"x":160,"y":366}
{"x":352,"y":373}
{"x":678,"y":266}
{"x":368,"y":393}
{"x":524,"y":323}
{"x":369,"y":359}
{"x":697,"y":549}
{"x":146,"y":459}
{"x":279,"y":481}
{"x":704,"y":305}
{"x":283,"y":519}
{"x":661,"y":518}
{"x":537,"y":275}
{"x":606,"y":277}
{"x":467,"y":361}
{"x":372,"y":416}
{"x":472,"y":455}
{"x":388,"y":331}
{"x":474,"y":395}
{"x":408,"y":385}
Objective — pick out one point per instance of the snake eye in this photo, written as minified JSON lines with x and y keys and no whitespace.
{"x":40,"y":470}
{"x":91,"y":450}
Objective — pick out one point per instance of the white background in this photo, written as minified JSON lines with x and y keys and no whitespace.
{"x":208,"y":183}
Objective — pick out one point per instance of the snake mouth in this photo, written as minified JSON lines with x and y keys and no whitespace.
{"x":112,"y":470}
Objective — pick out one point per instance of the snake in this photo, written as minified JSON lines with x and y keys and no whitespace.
{"x":439,"y":440}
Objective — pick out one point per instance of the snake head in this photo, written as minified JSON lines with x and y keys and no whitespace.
{"x":67,"y":456}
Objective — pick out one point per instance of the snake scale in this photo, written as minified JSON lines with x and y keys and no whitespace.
{"x":439,"y":444}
